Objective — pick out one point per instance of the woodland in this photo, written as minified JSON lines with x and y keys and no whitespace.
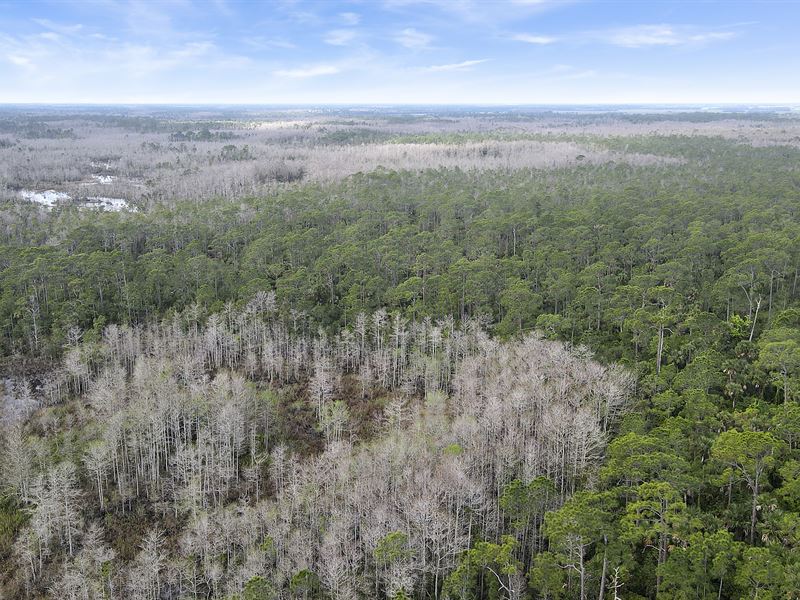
{"x":435,"y":355}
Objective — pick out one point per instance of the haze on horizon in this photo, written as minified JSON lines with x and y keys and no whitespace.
{"x":398,"y":52}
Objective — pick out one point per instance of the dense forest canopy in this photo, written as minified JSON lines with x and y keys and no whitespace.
{"x":449,"y":355}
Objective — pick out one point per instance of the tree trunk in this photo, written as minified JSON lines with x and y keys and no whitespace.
{"x":753,"y":328}
{"x":771,"y":283}
{"x":605,"y":569}
{"x":583,"y":578}
{"x":785,"y":386}
{"x":660,"y":349}
{"x":753,"y":511}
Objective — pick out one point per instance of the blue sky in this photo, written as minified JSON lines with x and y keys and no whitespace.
{"x":399,"y":51}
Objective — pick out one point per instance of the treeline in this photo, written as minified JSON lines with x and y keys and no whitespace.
{"x":596,"y":254}
{"x":35,"y":129}
{"x":202,"y":135}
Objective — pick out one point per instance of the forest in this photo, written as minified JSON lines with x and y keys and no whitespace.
{"x":440,"y":355}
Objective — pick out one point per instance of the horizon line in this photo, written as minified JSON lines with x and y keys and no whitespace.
{"x":727,"y":104}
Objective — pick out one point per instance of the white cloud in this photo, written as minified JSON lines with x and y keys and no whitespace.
{"x":482,"y":10}
{"x":144,"y":59}
{"x":302,"y":17}
{"x":339,"y":37}
{"x":262,"y":43}
{"x":350,"y":18}
{"x":637,"y":36}
{"x":541,"y":40}
{"x":19,"y":61}
{"x":462,"y":66}
{"x":58,"y":27}
{"x":306,"y":72}
{"x":640,"y":36}
{"x":55,"y":58}
{"x":412,"y":39}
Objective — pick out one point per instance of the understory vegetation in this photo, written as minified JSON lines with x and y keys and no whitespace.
{"x":522,"y":378}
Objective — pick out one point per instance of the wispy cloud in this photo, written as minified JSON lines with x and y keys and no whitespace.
{"x":640,"y":36}
{"x":339,"y":37}
{"x":636,"y":36}
{"x":481,"y":11}
{"x":412,"y":39}
{"x":53,"y":56}
{"x":541,"y":40}
{"x":143,"y":59}
{"x":462,"y":66}
{"x":61,"y":28}
{"x":350,"y":18}
{"x":19,"y":61}
{"x":262,"y":43}
{"x":295,"y":15}
{"x":307,"y":72}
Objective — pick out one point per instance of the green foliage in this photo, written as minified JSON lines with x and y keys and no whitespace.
{"x":547,"y":577}
{"x":453,"y":450}
{"x":231,"y":152}
{"x":392,"y":548}
{"x":258,"y":588}
{"x":486,"y":570}
{"x":761,"y":574}
{"x":779,"y":355}
{"x":790,"y":490}
{"x":745,"y":454}
{"x":702,"y":567}
{"x":401,"y":595}
{"x":524,"y":502}
{"x":739,"y":326}
{"x":305,"y":584}
{"x":11,"y":521}
{"x":655,"y":519}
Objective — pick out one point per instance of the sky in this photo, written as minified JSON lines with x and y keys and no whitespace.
{"x":501,"y":52}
